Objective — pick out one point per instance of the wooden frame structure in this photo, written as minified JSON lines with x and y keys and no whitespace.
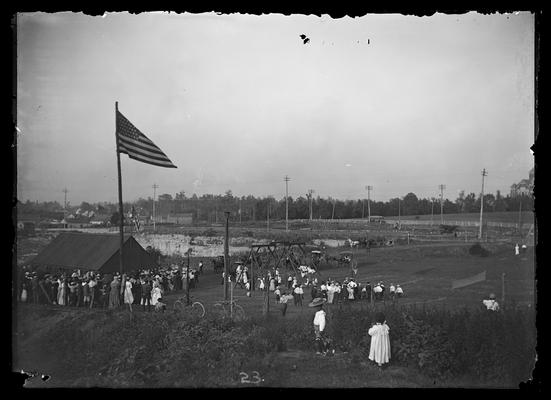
{"x":278,"y":251}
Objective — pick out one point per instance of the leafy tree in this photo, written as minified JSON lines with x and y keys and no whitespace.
{"x":410,"y":204}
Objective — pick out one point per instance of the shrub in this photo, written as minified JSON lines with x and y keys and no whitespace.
{"x":478,"y":250}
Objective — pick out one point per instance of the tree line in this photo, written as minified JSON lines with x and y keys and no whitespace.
{"x":210,"y":207}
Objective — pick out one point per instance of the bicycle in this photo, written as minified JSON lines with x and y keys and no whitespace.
{"x":196,"y":308}
{"x":230,"y":309}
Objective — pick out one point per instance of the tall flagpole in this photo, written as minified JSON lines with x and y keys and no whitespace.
{"x":121,"y":215}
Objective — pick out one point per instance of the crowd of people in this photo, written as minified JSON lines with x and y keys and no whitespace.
{"x":92,"y":289}
{"x":294,"y":285}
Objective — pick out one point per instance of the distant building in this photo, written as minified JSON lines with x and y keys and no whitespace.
{"x":524,"y":187}
{"x":77,"y":221}
{"x":175,"y":218}
{"x":26,"y":227}
{"x":100,"y":219}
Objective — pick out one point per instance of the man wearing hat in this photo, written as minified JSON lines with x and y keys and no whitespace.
{"x":491,"y":303}
{"x":319,"y":324}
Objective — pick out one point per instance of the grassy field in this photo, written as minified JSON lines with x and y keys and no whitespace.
{"x":527,"y":217}
{"x":77,"y":347}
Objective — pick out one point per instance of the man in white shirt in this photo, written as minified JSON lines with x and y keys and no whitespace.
{"x":399,"y":291}
{"x":319,"y":324}
{"x":491,"y":303}
{"x":378,"y":290}
{"x":299,"y":292}
{"x":392,"y":290}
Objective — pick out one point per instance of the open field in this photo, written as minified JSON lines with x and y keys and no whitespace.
{"x":527,"y":217}
{"x":77,"y":347}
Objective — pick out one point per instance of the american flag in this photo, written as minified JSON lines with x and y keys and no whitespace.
{"x":134,"y":143}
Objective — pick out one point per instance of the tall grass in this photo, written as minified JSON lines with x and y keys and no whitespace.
{"x":164,"y":349}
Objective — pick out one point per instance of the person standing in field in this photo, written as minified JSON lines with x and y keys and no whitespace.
{"x":284,"y":300}
{"x":491,"y":304}
{"x":277,"y":294}
{"x":299,"y":295}
{"x":319,"y":324}
{"x":79,"y":292}
{"x":92,"y":287}
{"x":128,"y":297}
{"x":330,"y":292}
{"x":146,"y":294}
{"x":114,"y":301}
{"x":399,"y":291}
{"x":392,"y":290}
{"x":86,"y":293}
{"x":379,"y":350}
{"x":314,"y":292}
{"x":73,"y":292}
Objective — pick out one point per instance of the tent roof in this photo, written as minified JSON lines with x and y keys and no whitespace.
{"x":80,"y":250}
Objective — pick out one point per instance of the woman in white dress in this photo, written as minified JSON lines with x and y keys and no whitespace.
{"x":379,"y":351}
{"x":61,"y":292}
{"x":156,"y":293}
{"x":128,"y":297}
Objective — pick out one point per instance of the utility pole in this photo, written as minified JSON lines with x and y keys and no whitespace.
{"x":431,"y":210}
{"x":520,"y":213}
{"x":399,"y":212}
{"x":310,"y":192}
{"x":240,"y":211}
{"x":155,"y":186}
{"x":333,"y":213}
{"x":442,"y":187}
{"x":268,"y":215}
{"x":484,"y":173}
{"x":227,"y":255}
{"x":187,"y":276}
{"x":286,"y":179}
{"x":65,"y":204}
{"x":369,"y":189}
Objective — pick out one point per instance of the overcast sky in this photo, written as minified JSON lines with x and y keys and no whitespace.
{"x":238,"y":101}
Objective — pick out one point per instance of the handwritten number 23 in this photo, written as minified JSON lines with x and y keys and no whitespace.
{"x":245,"y":377}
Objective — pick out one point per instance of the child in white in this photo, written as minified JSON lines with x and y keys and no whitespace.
{"x":379,"y":351}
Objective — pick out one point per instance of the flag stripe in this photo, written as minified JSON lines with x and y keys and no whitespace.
{"x":138,"y":146}
{"x":144,"y":152}
{"x":148,"y":160}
